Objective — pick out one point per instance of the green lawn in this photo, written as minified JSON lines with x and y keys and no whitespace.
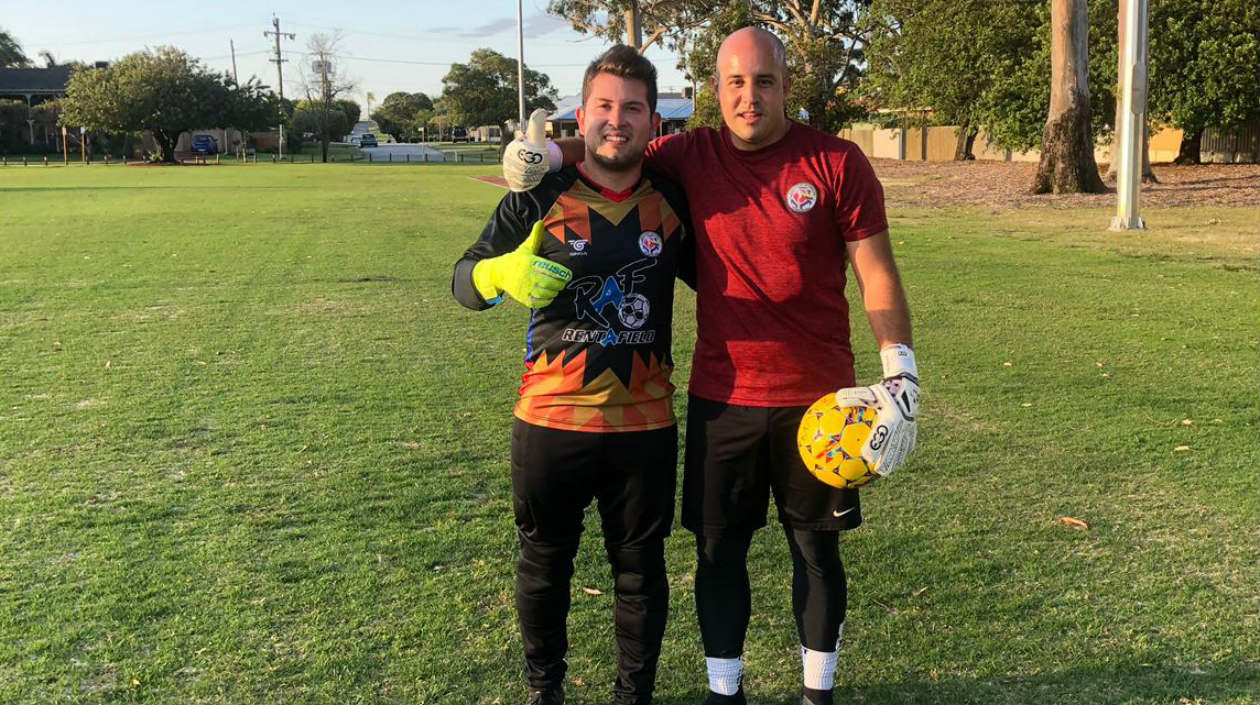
{"x":251,"y":451}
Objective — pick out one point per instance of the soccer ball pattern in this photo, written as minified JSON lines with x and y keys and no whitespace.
{"x":830,"y":440}
{"x":633,"y":311}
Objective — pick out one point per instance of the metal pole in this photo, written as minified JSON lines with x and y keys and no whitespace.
{"x":1130,"y":122}
{"x":235,"y":78}
{"x":520,"y":66}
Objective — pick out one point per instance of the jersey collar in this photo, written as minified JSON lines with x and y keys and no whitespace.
{"x":614,"y":196}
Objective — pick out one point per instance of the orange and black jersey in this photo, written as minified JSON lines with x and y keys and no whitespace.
{"x":597,"y":358}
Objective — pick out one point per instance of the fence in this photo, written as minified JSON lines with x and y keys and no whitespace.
{"x":937,"y":144}
{"x":432,"y":156}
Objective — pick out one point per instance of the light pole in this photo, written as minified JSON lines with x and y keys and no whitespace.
{"x":1130,"y":122}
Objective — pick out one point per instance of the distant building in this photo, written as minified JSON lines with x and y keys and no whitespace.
{"x":675,"y":111}
{"x":35,"y":86}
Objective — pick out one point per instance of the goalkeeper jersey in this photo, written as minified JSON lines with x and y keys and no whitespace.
{"x":597,"y":358}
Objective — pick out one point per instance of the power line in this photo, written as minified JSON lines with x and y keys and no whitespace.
{"x":151,"y":37}
{"x":431,"y":63}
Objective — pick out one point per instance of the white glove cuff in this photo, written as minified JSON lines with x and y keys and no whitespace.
{"x":898,"y":359}
{"x":555,"y":157}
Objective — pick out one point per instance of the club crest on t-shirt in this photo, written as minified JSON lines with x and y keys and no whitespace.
{"x":650,"y":244}
{"x":802,"y":197}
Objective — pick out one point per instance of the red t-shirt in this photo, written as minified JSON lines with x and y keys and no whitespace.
{"x":771,"y":227}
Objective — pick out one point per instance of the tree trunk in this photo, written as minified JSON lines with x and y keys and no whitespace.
{"x":1067,"y":144}
{"x":966,"y":141}
{"x":1189,"y":152}
{"x":166,"y":145}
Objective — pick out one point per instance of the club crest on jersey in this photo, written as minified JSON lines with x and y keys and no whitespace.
{"x":802,"y":197}
{"x":650,"y":244}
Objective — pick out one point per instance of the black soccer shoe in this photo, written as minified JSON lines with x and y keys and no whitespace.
{"x":809,"y":696}
{"x":719,"y":699}
{"x":552,"y":695}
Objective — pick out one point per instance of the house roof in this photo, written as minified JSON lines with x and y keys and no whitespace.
{"x":669,"y":108}
{"x":41,"y":81}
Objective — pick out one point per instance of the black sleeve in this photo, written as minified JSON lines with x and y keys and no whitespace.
{"x":687,"y":250}
{"x":506,"y":230}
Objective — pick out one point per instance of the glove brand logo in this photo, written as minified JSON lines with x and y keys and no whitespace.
{"x":650,"y":244}
{"x":529,"y":156}
{"x":801,"y":197}
{"x":879,"y":437}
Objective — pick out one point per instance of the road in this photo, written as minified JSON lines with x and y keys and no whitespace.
{"x":417,"y":153}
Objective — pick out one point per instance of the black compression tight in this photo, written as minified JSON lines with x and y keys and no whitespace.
{"x":724,"y":598}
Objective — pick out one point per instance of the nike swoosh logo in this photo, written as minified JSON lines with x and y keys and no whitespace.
{"x":838,"y":514}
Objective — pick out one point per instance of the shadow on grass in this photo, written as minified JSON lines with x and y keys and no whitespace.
{"x":1115,"y":683}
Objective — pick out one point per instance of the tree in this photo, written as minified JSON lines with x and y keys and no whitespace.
{"x":825,"y":41}
{"x":11,"y":54}
{"x":350,"y":108}
{"x":322,"y":86}
{"x":483,"y":91}
{"x":1067,"y":144}
{"x":665,"y":20}
{"x":312,"y":117}
{"x":164,"y":91}
{"x":940,"y":55}
{"x":1203,"y":55}
{"x":398,"y":113}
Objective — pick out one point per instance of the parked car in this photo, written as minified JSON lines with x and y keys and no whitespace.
{"x":459,"y":134}
{"x":367,"y":140}
{"x":204,"y":144}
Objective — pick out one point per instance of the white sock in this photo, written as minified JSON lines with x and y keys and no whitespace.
{"x":724,"y":674}
{"x":819,"y":667}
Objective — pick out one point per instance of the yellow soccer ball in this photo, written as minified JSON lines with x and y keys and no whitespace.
{"x":830,"y":440}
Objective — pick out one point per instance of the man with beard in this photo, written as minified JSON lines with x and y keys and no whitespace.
{"x":593,"y":251}
{"x":779,"y":209}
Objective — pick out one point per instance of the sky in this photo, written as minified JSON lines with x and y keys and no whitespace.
{"x":386,"y":46}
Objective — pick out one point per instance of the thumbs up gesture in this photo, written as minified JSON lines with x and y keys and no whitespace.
{"x":521,"y":274}
{"x":526,"y":160}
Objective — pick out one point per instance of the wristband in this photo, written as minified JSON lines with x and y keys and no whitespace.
{"x":555,"y":157}
{"x":898,"y":360}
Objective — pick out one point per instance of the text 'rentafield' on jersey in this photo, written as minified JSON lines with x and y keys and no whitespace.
{"x":598,"y":356}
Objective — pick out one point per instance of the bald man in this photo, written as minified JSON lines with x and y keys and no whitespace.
{"x":779,"y":208}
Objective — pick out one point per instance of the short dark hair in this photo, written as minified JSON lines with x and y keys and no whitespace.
{"x":625,"y":62}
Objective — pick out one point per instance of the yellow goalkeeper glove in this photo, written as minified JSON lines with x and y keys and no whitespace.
{"x":521,"y":274}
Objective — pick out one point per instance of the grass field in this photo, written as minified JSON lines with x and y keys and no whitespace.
{"x":252,"y":452}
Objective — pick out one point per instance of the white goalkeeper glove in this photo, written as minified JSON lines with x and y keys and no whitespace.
{"x":530,"y":156}
{"x":896,"y":402}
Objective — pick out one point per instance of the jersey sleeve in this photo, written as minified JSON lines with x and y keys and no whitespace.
{"x":859,"y":198}
{"x":687,"y":251}
{"x":666,"y":155}
{"x":507,"y":229}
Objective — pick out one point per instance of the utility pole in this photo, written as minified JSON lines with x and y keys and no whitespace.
{"x":235,"y":78}
{"x":279,"y":62}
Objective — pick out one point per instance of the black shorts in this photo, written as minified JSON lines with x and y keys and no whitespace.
{"x":736,"y":455}
{"x":556,"y":474}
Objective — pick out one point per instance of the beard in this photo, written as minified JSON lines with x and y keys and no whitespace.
{"x":627,"y":160}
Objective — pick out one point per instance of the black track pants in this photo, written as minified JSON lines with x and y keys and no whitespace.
{"x":631,"y":475}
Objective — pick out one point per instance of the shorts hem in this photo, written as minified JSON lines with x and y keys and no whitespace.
{"x":827,"y":525}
